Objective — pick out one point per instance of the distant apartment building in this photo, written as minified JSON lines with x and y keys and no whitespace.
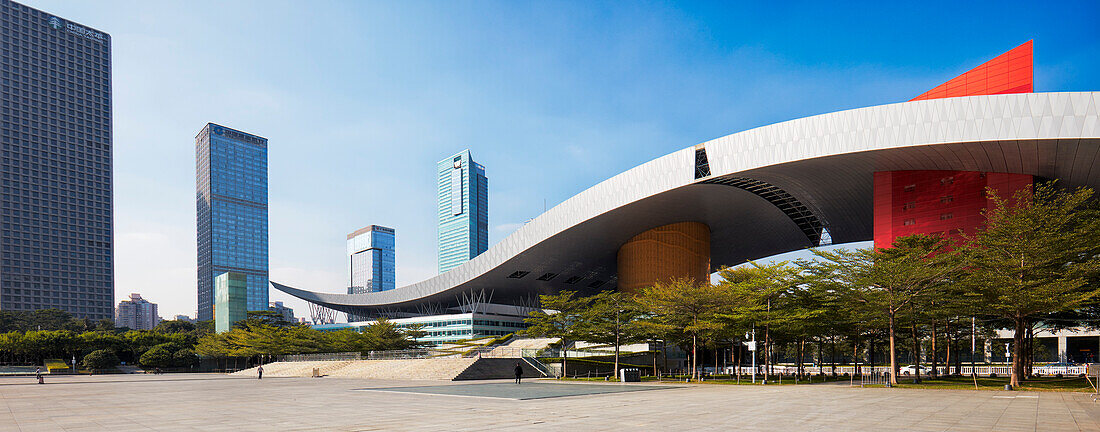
{"x":56,"y":141}
{"x":183,"y":318}
{"x":232,"y":214}
{"x":136,"y":313}
{"x":283,"y":311}
{"x":463,"y":210}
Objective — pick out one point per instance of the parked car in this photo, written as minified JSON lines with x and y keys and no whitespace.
{"x":1055,"y":368}
{"x":912,"y":370}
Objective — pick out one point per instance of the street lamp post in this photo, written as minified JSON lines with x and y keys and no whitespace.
{"x":752,"y":348}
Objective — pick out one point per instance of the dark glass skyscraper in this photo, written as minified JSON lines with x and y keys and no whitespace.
{"x":231,"y":183}
{"x":56,"y":206}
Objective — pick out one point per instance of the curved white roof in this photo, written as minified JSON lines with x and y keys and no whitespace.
{"x":822,"y":163}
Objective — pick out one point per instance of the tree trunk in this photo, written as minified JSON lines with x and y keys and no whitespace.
{"x":935,"y":364}
{"x":916,"y":354}
{"x":947,"y":345}
{"x":767,"y":343}
{"x":564,"y":356}
{"x":616,"y":370}
{"x":694,"y":369}
{"x":893,"y":353}
{"x":800,"y":349}
{"x":832,"y":355}
{"x":1018,"y":351}
{"x":1029,"y":355}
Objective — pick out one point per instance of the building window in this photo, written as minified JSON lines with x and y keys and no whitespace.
{"x":910,"y":205}
{"x":946,"y":216}
{"x":702,"y":167}
{"x":947,"y":180}
{"x":911,"y":188}
{"x":947,"y":199}
{"x":909,"y":222}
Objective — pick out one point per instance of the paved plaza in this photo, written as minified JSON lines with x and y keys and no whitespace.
{"x":208,"y":402}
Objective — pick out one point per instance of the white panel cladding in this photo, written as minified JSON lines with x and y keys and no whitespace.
{"x":1023,"y":117}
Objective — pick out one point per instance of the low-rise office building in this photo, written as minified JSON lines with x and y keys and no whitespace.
{"x":465,"y":323}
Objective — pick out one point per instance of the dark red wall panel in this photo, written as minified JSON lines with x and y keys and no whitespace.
{"x":927,"y":202}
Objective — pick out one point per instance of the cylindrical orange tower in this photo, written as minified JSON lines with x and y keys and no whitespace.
{"x":679,"y":250}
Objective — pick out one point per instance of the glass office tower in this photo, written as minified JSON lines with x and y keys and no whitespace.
{"x":56,"y":165}
{"x":231,"y":184}
{"x":463,"y":210}
{"x":371,"y":260}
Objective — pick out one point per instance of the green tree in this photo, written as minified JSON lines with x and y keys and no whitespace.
{"x":175,"y":326}
{"x":561,"y":316}
{"x":765,"y":296}
{"x":1034,"y":257}
{"x":891,"y":280}
{"x":612,"y":318}
{"x":100,"y":360}
{"x":157,"y":357}
{"x":185,"y":358}
{"x":384,"y":335}
{"x":684,"y":310}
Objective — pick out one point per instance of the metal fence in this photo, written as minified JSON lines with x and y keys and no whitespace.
{"x":344,"y":356}
{"x":503,"y":352}
{"x":1002,"y":371}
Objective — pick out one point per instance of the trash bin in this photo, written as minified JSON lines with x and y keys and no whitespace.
{"x":316,"y":372}
{"x":630,"y":375}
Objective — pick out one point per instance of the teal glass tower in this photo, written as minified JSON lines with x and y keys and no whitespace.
{"x":231,"y":183}
{"x":463,"y":210}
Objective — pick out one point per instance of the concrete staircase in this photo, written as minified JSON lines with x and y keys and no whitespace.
{"x":449,"y":369}
{"x":496,"y":368}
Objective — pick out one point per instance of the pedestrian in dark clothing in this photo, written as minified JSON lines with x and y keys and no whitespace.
{"x":38,"y":374}
{"x":519,"y":372}
{"x":260,"y":372}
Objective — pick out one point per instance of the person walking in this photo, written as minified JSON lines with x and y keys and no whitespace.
{"x":519,"y":372}
{"x":38,"y":374}
{"x":260,"y":372}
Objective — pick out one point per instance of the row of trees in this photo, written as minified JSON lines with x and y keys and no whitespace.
{"x":265,"y":334}
{"x":1035,"y":262}
{"x":178,"y":344}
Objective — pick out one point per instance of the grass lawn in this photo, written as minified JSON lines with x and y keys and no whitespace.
{"x":727,"y":380}
{"x":1068,"y":384}
{"x":1071,"y":384}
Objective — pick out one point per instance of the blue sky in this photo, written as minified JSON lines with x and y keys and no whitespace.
{"x":360,"y":99}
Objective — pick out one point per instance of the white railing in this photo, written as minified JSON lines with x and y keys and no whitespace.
{"x":503,"y":352}
{"x":344,"y":356}
{"x":1002,"y":371}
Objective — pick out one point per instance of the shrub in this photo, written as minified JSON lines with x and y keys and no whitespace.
{"x":100,"y":360}
{"x":993,"y":375}
{"x":185,"y":358}
{"x":157,"y":357}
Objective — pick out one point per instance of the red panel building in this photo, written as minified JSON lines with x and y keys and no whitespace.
{"x":1010,"y":72}
{"x":951,"y":202}
{"x":929,"y":202}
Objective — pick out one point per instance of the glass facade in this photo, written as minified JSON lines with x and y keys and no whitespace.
{"x":56,"y":238}
{"x":441,"y":329}
{"x":463,"y":210}
{"x":371,"y":260}
{"x":230,"y":300}
{"x":231,"y":184}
